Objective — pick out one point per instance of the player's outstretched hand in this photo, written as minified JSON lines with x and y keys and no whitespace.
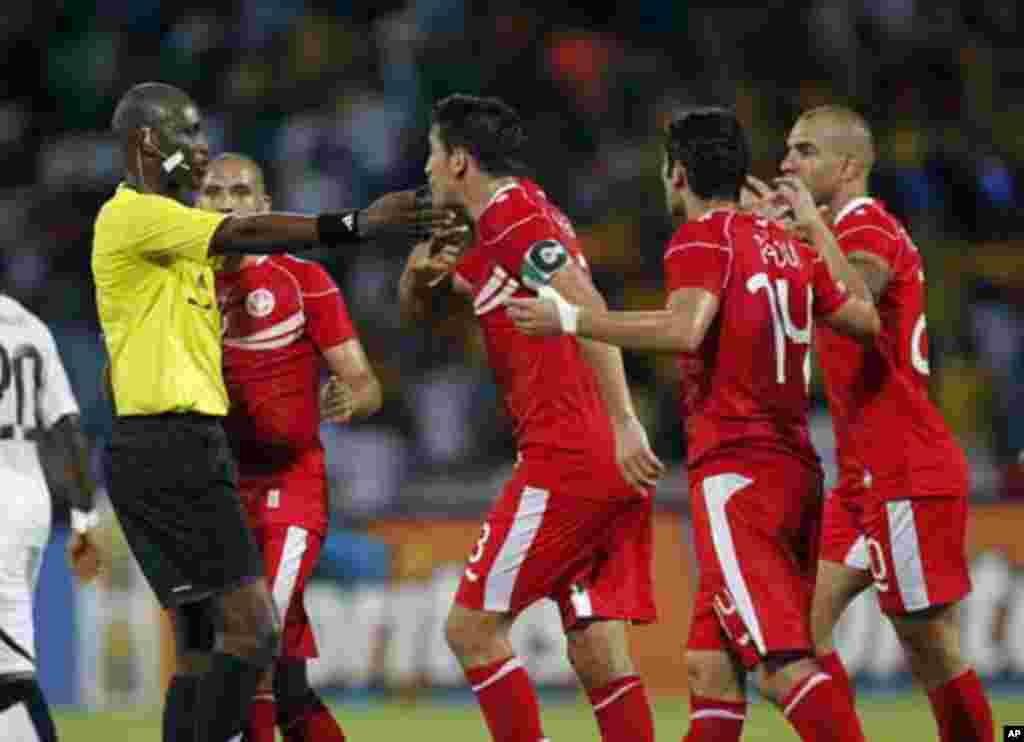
{"x":337,"y":402}
{"x":640,"y":467}
{"x":534,"y":316}
{"x":401,"y":213}
{"x":84,"y":557}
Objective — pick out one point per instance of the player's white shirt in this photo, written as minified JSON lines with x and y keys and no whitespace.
{"x":34,"y":388}
{"x":24,"y":531}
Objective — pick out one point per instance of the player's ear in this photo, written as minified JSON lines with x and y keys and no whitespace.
{"x":459,"y":161}
{"x":680,"y":178}
{"x":147,"y":142}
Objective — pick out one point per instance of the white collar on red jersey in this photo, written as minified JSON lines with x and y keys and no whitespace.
{"x":851,"y":205}
{"x":498,"y":193}
{"x":718,"y":210}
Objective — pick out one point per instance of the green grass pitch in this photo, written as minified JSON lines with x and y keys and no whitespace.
{"x":903,"y":718}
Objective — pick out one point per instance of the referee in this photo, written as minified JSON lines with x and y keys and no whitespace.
{"x":172,"y":478}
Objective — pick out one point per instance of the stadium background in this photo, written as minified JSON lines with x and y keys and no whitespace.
{"x":334,"y":97}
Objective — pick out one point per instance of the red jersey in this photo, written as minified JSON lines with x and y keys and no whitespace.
{"x":550,"y":391}
{"x":887,"y":428}
{"x":746,"y":387}
{"x":280,"y":315}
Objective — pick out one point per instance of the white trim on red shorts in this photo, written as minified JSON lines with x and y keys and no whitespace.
{"x":289,"y":566}
{"x":501,"y":577}
{"x":906,"y":555}
{"x":857,"y":556}
{"x":718,"y":490}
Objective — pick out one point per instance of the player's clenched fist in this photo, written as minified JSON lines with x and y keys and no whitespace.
{"x":534,"y":316}
{"x":433,"y":259}
{"x":337,"y":401}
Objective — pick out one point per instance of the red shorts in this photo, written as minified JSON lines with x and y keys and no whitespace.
{"x":755,"y":529}
{"x":544,"y":539}
{"x":289,"y":555}
{"x":913,"y":547}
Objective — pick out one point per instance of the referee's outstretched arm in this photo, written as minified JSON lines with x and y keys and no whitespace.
{"x":393,"y":213}
{"x":166,"y":153}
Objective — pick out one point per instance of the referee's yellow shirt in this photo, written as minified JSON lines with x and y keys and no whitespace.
{"x":157,"y":303}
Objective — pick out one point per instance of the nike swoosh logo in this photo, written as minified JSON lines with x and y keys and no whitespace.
{"x":193,"y":302}
{"x":471,"y":575}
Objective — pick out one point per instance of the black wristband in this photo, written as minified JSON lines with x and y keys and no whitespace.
{"x":338,"y":227}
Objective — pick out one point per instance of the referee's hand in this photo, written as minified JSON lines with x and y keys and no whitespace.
{"x":84,"y":556}
{"x":402,"y":214}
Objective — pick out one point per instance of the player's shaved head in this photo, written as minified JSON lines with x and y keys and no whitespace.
{"x":844,"y":131}
{"x":242,"y":161}
{"x":148,"y":104}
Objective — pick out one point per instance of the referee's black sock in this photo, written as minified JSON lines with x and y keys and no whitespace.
{"x":224,"y":696}
{"x":25,"y":693}
{"x":179,"y":709}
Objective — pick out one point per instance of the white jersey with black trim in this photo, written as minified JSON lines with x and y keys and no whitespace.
{"x":34,"y":388}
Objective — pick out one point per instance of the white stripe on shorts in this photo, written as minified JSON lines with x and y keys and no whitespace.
{"x":288,"y":568}
{"x":906,"y":555}
{"x":501,"y":580}
{"x":857,"y":556}
{"x":718,"y":490}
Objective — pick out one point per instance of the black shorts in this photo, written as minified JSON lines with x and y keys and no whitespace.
{"x":174,"y":488}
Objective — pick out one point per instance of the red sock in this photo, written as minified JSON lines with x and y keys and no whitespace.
{"x":622,"y":711}
{"x":262,"y":715}
{"x":832,"y":664}
{"x":507,"y":700}
{"x":314,"y":723}
{"x":820,"y":712}
{"x":715,"y":721}
{"x":962,"y":710}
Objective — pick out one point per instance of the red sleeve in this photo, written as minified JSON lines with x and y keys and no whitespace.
{"x":520,"y":238}
{"x":327,"y":319}
{"x":862,"y":235}
{"x":692,"y":261}
{"x":829,"y":294}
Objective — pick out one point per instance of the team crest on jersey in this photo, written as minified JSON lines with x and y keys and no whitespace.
{"x":496,"y":291}
{"x":259,"y":303}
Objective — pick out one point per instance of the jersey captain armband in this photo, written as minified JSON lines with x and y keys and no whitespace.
{"x":542,"y":261}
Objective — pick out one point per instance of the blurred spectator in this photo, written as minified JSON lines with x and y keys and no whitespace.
{"x":333,"y":96}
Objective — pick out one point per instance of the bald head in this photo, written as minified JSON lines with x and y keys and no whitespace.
{"x":149,"y":104}
{"x":233,"y":184}
{"x":844,"y":131}
{"x":233,"y":162}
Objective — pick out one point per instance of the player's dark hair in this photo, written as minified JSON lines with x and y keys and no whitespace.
{"x":489,"y":129}
{"x":147,"y":104}
{"x":711,"y":144}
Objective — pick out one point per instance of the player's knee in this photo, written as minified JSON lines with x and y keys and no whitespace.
{"x":259,"y":641}
{"x":710,"y":674}
{"x":599,"y":653}
{"x":460,"y":633}
{"x":932,"y":637}
{"x":473,"y":636}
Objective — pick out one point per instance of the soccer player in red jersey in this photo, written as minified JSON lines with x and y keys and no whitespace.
{"x":898,"y":516}
{"x":284,"y":319}
{"x":742,"y":299}
{"x":574,"y":521}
